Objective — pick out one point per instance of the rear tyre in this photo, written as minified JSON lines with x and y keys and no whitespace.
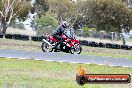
{"x":46,"y":48}
{"x":76,"y":49}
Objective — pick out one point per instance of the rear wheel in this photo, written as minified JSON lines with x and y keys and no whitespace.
{"x":76,"y":49}
{"x":46,"y":48}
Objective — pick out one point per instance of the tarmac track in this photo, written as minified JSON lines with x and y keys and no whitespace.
{"x":70,"y":58}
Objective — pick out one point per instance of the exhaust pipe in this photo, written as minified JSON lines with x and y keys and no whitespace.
{"x":47,"y":42}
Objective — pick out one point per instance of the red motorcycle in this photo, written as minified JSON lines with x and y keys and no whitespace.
{"x":70,"y":45}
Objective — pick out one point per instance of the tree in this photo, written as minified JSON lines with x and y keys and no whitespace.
{"x":41,"y":6}
{"x":46,"y":23}
{"x":64,"y":10}
{"x":47,"y":20}
{"x":106,"y":14}
{"x":9,"y":9}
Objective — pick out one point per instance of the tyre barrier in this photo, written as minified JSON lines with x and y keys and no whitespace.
{"x":9,"y":36}
{"x":108,"y":45}
{"x":94,"y":44}
{"x":43,"y":37}
{"x":39,"y":39}
{"x":84,"y":42}
{"x":17,"y":37}
{"x":36,"y":38}
{"x":101,"y":45}
{"x":25,"y":37}
{"x":115,"y":46}
{"x":130,"y":47}
{"x":126,"y":47}
{"x":1,"y":35}
{"x":90,"y":43}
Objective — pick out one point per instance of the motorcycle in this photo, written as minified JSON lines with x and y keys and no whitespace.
{"x":70,"y":45}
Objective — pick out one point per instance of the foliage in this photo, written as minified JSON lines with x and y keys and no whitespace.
{"x":47,"y":23}
{"x":86,"y":31}
{"x":64,"y":10}
{"x":130,"y":19}
{"x":106,"y":13}
{"x":89,"y":29}
{"x":22,"y":7}
{"x":41,"y":6}
{"x":83,"y":22}
{"x":1,"y":5}
{"x":47,"y":20}
{"x":10,"y":9}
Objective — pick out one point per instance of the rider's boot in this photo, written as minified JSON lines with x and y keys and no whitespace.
{"x":57,"y":45}
{"x":56,"y":48}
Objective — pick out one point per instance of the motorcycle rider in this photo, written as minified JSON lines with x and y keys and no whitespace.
{"x":58,"y":33}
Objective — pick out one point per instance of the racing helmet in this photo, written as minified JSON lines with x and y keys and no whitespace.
{"x":64,"y":24}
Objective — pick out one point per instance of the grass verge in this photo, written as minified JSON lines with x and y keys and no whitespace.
{"x":115,"y":53}
{"x":15,"y":73}
{"x":20,"y":45}
{"x":107,"y":55}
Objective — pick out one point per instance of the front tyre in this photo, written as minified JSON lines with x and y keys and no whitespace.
{"x":76,"y":49}
{"x":46,"y":48}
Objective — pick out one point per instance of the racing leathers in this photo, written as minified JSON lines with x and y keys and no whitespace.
{"x":58,"y":35}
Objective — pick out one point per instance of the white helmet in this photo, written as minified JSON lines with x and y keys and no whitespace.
{"x":64,"y":24}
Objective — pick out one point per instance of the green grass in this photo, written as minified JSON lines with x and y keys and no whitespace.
{"x":109,"y":55}
{"x":115,"y":53}
{"x":20,"y":45}
{"x":15,"y":73}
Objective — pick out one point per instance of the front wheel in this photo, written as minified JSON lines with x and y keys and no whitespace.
{"x":76,"y":49}
{"x":46,"y":48}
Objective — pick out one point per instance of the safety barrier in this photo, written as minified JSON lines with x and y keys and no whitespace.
{"x":36,"y":38}
{"x":24,"y":37}
{"x":1,"y":35}
{"x":105,"y":45}
{"x":9,"y":36}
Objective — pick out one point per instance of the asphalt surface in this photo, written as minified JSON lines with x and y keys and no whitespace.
{"x":61,"y":57}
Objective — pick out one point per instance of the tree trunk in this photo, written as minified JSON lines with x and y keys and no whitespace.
{"x":3,"y":28}
{"x":123,"y":40}
{"x":3,"y":25}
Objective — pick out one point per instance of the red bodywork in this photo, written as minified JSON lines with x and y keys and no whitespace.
{"x":69,"y":42}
